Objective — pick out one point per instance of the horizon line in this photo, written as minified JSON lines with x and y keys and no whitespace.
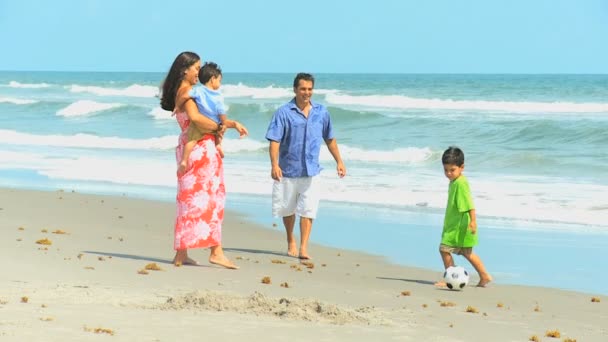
{"x":330,"y":73}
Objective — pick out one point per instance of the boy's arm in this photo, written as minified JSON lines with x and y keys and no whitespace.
{"x":473,"y":224}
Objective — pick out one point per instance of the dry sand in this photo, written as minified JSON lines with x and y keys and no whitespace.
{"x":87,"y":285}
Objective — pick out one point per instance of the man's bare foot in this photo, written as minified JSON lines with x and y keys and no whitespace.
{"x":220,"y":150}
{"x":182,"y":167}
{"x":292,"y":250}
{"x":304,"y":254}
{"x":224,"y":262}
{"x":441,"y":284}
{"x":484,"y":282}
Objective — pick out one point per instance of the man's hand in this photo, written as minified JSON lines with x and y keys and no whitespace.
{"x":341,"y":170}
{"x":276,"y":173}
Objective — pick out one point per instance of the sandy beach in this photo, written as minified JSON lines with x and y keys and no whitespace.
{"x":89,"y":283}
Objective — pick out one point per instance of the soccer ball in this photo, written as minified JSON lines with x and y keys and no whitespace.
{"x":456,"y":277}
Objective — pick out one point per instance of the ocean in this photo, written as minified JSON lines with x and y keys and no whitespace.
{"x":534,"y":146}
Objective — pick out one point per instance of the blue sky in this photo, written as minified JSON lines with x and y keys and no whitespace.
{"x":400,"y":36}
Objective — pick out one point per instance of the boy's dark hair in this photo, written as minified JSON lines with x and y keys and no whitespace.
{"x":453,"y":156}
{"x":208,"y":71}
{"x":303,"y":76}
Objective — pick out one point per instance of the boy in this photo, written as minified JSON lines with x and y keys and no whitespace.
{"x":210,"y":103}
{"x":460,"y":224}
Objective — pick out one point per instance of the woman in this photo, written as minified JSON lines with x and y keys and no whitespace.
{"x":200,"y":189}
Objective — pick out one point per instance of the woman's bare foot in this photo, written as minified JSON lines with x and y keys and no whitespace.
{"x":182,"y":258}
{"x":182,"y":167}
{"x":484,"y":282}
{"x":224,"y":262}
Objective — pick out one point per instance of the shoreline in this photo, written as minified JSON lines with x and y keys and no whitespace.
{"x":88,"y":278}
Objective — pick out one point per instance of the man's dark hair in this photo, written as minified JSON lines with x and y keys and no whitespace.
{"x":453,"y":156}
{"x":208,"y":71}
{"x":303,"y":76}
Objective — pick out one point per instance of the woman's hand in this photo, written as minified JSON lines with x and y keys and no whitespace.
{"x":221,"y":130}
{"x":241,"y":129}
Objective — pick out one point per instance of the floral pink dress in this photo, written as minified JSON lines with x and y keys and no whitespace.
{"x":200,"y":193}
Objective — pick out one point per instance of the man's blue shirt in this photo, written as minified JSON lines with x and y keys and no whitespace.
{"x":300,"y":138}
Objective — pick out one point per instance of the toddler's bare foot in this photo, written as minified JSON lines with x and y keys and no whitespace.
{"x":182,"y":167}
{"x":224,"y":262}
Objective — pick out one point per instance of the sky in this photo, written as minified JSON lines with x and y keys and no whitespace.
{"x":339,"y":36}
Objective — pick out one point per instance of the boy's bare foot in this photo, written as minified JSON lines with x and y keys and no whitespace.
{"x":441,"y":284}
{"x":220,"y":150}
{"x":182,"y":167}
{"x":224,"y":262}
{"x":484,"y":282}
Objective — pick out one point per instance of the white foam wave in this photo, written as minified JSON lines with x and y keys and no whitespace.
{"x":399,"y":155}
{"x":87,"y":141}
{"x":241,"y":90}
{"x":270,"y":92}
{"x":86,"y":107}
{"x":161,"y":114}
{"x":82,"y":140}
{"x":542,"y":200}
{"x":15,"y":84}
{"x":243,"y":145}
{"x":134,"y":90}
{"x":16,"y":101}
{"x":405,"y":102}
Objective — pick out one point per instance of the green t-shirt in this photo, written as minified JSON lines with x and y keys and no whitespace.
{"x":456,"y":231}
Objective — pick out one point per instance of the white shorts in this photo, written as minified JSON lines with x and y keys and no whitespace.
{"x":298,"y":195}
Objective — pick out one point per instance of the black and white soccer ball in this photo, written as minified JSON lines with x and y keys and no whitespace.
{"x":456,"y":277}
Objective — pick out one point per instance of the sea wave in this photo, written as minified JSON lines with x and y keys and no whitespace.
{"x":87,"y":107}
{"x":82,"y":140}
{"x":269,"y":92}
{"x":535,"y":200}
{"x":408,"y":155}
{"x":160,"y":114}
{"x":405,"y":102}
{"x":135,"y":90}
{"x":15,"y":84}
{"x":16,"y":101}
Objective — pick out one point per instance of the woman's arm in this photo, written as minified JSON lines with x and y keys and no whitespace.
{"x":203,"y":123}
{"x":234,"y":124}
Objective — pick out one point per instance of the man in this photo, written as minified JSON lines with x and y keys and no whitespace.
{"x":295,"y":133}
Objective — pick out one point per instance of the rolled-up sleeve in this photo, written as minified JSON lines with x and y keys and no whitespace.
{"x":276,"y":128}
{"x":328,"y":129}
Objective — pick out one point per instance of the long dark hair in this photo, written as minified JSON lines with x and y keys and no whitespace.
{"x":174,"y":78}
